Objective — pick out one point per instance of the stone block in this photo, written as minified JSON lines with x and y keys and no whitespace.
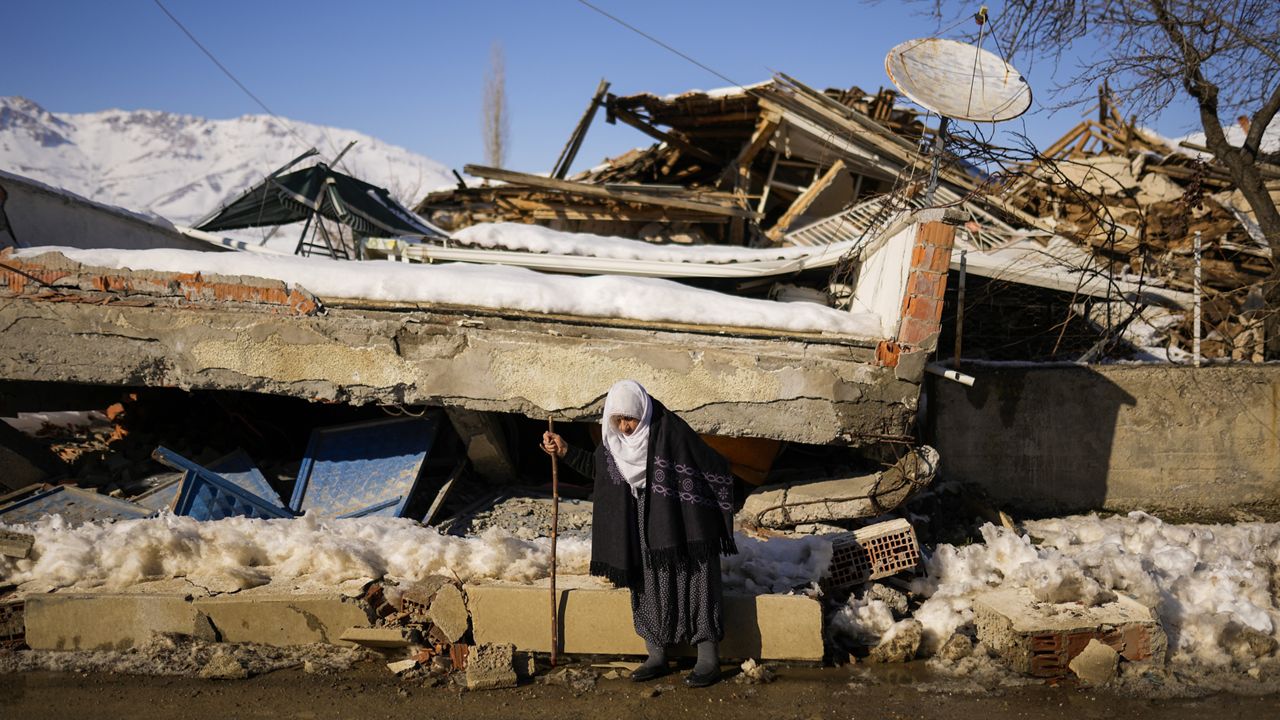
{"x":491,"y":665}
{"x":283,"y":620}
{"x":107,"y":622}
{"x":1041,"y":639}
{"x":773,"y":627}
{"x":448,"y":613}
{"x":16,"y":544}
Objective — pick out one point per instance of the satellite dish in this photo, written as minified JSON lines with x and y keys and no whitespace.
{"x":957,"y":80}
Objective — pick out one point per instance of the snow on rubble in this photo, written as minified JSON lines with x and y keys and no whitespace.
{"x":241,"y":553}
{"x":489,"y":286}
{"x":539,"y":239}
{"x":1210,"y":585}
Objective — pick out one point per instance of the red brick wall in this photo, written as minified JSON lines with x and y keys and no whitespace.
{"x":926,"y":281}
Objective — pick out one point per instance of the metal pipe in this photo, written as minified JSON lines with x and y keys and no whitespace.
{"x":949,"y":374}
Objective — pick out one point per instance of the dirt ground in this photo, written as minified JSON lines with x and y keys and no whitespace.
{"x":368,"y":691}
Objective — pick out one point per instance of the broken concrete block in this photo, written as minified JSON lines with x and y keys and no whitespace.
{"x":448,"y":613}
{"x":754,"y":673}
{"x":16,"y":544}
{"x":415,"y":598}
{"x":900,"y":643}
{"x":1245,"y":644}
{"x":491,"y":665}
{"x":402,"y":666}
{"x":577,"y":680}
{"x":377,"y":637}
{"x":223,"y":666}
{"x":1040,"y":639}
{"x":895,"y":599}
{"x":818,"y":501}
{"x":956,"y":648}
{"x":1096,"y":664}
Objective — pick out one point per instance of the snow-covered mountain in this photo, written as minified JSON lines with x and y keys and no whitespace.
{"x":182,"y":167}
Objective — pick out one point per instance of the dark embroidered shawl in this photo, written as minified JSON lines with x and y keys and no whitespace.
{"x":690,"y":504}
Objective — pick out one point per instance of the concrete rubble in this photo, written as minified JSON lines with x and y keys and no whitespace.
{"x":900,"y":644}
{"x":490,"y":666}
{"x":16,"y":544}
{"x":817,"y":501}
{"x":1041,"y":639}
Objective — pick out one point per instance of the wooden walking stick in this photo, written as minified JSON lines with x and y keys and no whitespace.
{"x":555,"y":530}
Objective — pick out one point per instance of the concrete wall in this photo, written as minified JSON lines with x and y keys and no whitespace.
{"x":1171,"y":439}
{"x":41,"y":215}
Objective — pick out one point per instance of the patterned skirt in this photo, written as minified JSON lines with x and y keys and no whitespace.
{"x":681,"y":604}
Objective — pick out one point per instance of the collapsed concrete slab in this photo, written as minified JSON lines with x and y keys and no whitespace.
{"x":98,"y":326}
{"x":598,"y":622}
{"x":861,"y":496}
{"x":1042,"y":639}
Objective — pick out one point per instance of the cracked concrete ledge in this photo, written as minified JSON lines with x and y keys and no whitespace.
{"x":795,"y":390}
{"x":118,"y":621}
{"x":594,"y":620}
{"x":598,"y":621}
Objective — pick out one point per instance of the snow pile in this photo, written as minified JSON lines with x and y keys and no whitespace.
{"x":240,"y":553}
{"x":1212,"y":586}
{"x":538,"y":239}
{"x":776,"y":565}
{"x":491,"y":286}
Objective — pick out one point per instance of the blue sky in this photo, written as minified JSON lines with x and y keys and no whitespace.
{"x":411,"y":73}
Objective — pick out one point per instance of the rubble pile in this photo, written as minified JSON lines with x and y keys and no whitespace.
{"x":1137,"y":202}
{"x":738,"y":166}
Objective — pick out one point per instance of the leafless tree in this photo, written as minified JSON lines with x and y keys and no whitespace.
{"x":496,"y":114}
{"x":1222,"y":56}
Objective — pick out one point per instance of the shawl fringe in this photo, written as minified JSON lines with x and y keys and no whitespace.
{"x":615,"y":575}
{"x":702,"y":550}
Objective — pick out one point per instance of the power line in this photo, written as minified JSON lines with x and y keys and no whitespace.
{"x":658,"y":42}
{"x":230,"y":75}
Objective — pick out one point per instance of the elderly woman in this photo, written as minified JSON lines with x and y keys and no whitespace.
{"x":663,"y":515}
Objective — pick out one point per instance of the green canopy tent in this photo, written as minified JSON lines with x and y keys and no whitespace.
{"x":281,"y":199}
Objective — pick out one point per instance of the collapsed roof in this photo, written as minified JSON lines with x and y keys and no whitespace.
{"x":300,"y":195}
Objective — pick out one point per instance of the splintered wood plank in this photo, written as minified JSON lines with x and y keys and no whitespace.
{"x":740,"y":169}
{"x":669,"y":138}
{"x":518,"y":178}
{"x":579,"y":132}
{"x":806,"y":199}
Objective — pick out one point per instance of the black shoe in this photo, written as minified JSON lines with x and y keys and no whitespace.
{"x":698,"y":680}
{"x":644,"y":673}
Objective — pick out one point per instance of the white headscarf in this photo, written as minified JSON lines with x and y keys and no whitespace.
{"x":630,"y":452}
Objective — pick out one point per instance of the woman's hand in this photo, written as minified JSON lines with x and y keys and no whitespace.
{"x":553,"y":444}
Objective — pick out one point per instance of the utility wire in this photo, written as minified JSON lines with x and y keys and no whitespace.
{"x":658,"y":42}
{"x":232,"y":76}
